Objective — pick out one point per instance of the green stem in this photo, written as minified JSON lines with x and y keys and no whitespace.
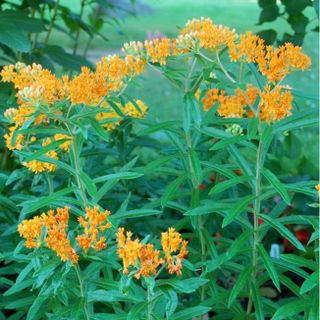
{"x":75,"y":48}
{"x":149,"y":297}
{"x":77,"y":167}
{"x":53,"y":18}
{"x":256,"y":211}
{"x":86,"y":311}
{"x":223,"y":68}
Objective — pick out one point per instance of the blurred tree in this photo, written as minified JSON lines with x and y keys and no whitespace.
{"x":293,"y":12}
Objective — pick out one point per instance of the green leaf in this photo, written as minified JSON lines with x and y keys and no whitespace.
{"x":14,"y":37}
{"x":269,"y":266}
{"x":222,"y":186}
{"x":292,"y":308}
{"x":241,"y":206}
{"x":252,"y":128}
{"x":277,"y":185}
{"x":137,"y":311}
{"x":209,"y":208}
{"x":40,"y":202}
{"x":100,"y":130}
{"x":171,"y":189}
{"x":226,"y":142}
{"x":239,"y":243}
{"x":296,"y":121}
{"x":257,"y":300}
{"x":190,"y":313}
{"x":18,"y":18}
{"x":283,"y":231}
{"x":24,"y":302}
{"x":111,"y":296}
{"x":89,"y":184}
{"x":135,"y":214}
{"x":269,"y":36}
{"x":186,"y":286}
{"x":269,"y":13}
{"x":17,"y":287}
{"x":156,"y":127}
{"x":243,"y":278}
{"x":311,"y":282}
{"x":124,"y":175}
{"x":242,"y":162}
{"x":196,"y":167}
{"x":61,"y":57}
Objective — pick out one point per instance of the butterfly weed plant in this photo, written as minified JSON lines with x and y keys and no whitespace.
{"x":196,"y":249}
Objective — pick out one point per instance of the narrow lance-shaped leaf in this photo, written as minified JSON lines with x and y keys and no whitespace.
{"x":241,"y":206}
{"x":283,"y":231}
{"x":269,"y":266}
{"x":277,"y":185}
{"x":243,"y":278}
{"x":222,"y":186}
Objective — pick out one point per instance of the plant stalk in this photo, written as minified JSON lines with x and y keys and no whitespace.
{"x":256,"y":211}
{"x":53,"y":18}
{"x":149,"y":297}
{"x":75,"y":48}
{"x":86,"y":311}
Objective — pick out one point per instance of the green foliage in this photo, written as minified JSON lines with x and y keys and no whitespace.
{"x":294,"y":13}
{"x":231,"y":198}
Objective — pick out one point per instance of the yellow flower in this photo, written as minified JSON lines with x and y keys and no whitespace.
{"x":65,"y":146}
{"x":42,"y":166}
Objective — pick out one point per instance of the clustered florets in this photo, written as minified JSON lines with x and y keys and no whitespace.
{"x":38,"y":87}
{"x":51,"y":229}
{"x":145,"y":260}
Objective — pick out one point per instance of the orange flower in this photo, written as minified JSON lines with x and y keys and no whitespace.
{"x":248,"y":49}
{"x":158,"y":50}
{"x":209,"y":35}
{"x":31,"y":231}
{"x":149,"y":261}
{"x":275,"y":104}
{"x":172,"y":243}
{"x":128,"y":250}
{"x":279,"y":62}
{"x":234,"y":106}
{"x":93,"y":223}
{"x":56,"y":238}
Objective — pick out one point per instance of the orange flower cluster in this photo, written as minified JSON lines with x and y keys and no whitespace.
{"x":207,"y":34}
{"x":249,"y":48}
{"x":56,"y":224}
{"x":145,"y":259}
{"x":91,"y":87}
{"x":279,"y":62}
{"x":155,"y":50}
{"x":235,"y":106}
{"x":93,"y":223}
{"x":56,"y":235}
{"x":175,"y":250}
{"x":275,"y":104}
{"x":160,"y":49}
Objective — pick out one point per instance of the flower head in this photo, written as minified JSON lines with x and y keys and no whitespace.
{"x":94,"y":223}
{"x":175,"y":250}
